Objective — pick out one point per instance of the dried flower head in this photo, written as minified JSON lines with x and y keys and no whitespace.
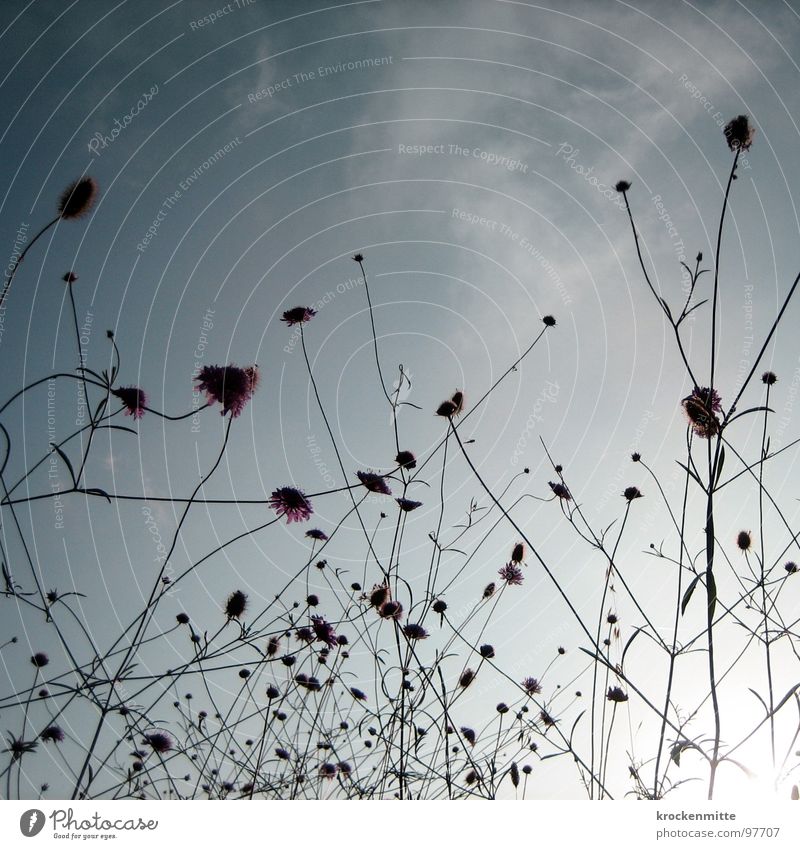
{"x":769,"y":377}
{"x":182,"y":618}
{"x":622,"y":186}
{"x":616,"y":694}
{"x":631,"y":492}
{"x":236,"y":604}
{"x":40,"y":659}
{"x":518,"y":553}
{"x":636,"y":456}
{"x":511,"y":574}
{"x":298,"y":315}
{"x":414,"y":631}
{"x":133,"y":400}
{"x":358,"y":258}
{"x":446,"y":409}
{"x":323,"y":631}
{"x":547,"y":720}
{"x":52,"y":734}
{"x":357,"y":694}
{"x":374,"y":482}
{"x":457,"y":400}
{"x":700,"y":408}
{"x":467,"y":677}
{"x":744,"y":541}
{"x":391,"y":610}
{"x":379,"y":594}
{"x":532,"y":686}
{"x":487,"y":651}
{"x":70,"y":277}
{"x":560,"y":491}
{"x":549,"y":321}
{"x":228,"y":385}
{"x":790,"y":567}
{"x":291,"y":502}
{"x":488,"y":590}
{"x":317,"y":534}
{"x":407,"y":505}
{"x":468,"y":734}
{"x":502,"y":708}
{"x":439,"y":606}
{"x":738,"y":133}
{"x":406,"y":460}
{"x":159,"y":741}
{"x":78,"y":198}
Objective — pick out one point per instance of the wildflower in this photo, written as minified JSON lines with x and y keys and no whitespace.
{"x":359,"y":258}
{"x":406,"y":459}
{"x":52,"y":734}
{"x":317,"y":534}
{"x":549,"y":321}
{"x":323,"y":631}
{"x":488,"y":590}
{"x":790,"y":567}
{"x":292,"y":503}
{"x":298,"y":315}
{"x":532,"y":686}
{"x":378,"y":595}
{"x":357,"y":694}
{"x":700,"y":407}
{"x":502,"y":708}
{"x":631,"y":492}
{"x":467,"y":677}
{"x":622,"y":186}
{"x":468,"y":734}
{"x":415,"y":632}
{"x":236,"y":604}
{"x":70,"y":277}
{"x":391,"y":610}
{"x":273,"y":646}
{"x":78,"y":198}
{"x":769,"y":377}
{"x":446,"y":409}
{"x":487,"y":651}
{"x":743,"y":540}
{"x":133,"y":399}
{"x":159,"y":741}
{"x":518,"y":553}
{"x":616,"y":694}
{"x":374,"y":482}
{"x":182,"y":618}
{"x":304,"y":635}
{"x":738,"y":133}
{"x":40,"y":659}
{"x":636,"y":456}
{"x":547,"y":720}
{"x":560,"y":490}
{"x":511,"y":574}
{"x":407,"y":505}
{"x":229,"y":385}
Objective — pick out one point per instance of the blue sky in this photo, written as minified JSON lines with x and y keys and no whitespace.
{"x":466,"y":148}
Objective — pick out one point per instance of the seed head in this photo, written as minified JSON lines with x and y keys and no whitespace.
{"x":78,"y":198}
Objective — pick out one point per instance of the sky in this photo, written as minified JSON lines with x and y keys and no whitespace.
{"x":469,"y":149}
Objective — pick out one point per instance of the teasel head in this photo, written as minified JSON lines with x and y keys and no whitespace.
{"x":78,"y":198}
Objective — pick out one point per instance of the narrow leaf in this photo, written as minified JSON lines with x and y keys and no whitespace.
{"x":688,"y":594}
{"x":711,"y":587}
{"x":66,"y":462}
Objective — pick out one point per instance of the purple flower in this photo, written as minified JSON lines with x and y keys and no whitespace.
{"x":323,"y":631}
{"x":415,"y":632}
{"x":407,"y":505}
{"x":298,"y":315}
{"x":532,"y":686}
{"x":511,"y":574}
{"x":229,"y":385}
{"x":374,"y":482}
{"x":327,"y":771}
{"x":290,"y":502}
{"x":52,"y":734}
{"x":316,"y":533}
{"x":133,"y":399}
{"x":159,"y":741}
